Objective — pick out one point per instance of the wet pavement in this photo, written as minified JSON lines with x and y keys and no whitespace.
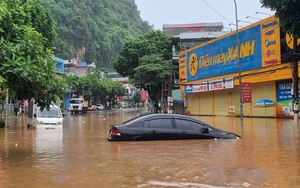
{"x":78,"y":155}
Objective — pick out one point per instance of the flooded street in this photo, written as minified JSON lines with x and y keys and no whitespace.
{"x":78,"y":155}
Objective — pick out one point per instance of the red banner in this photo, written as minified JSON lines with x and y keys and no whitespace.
{"x":246,"y":92}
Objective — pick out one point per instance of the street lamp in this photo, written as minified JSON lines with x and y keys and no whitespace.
{"x":263,"y":13}
{"x":228,"y":28}
{"x":239,"y":62}
{"x":140,"y":101}
{"x":245,"y":21}
{"x":253,"y":18}
{"x":235,"y":24}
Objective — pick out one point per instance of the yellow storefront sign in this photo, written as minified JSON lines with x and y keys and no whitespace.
{"x":270,"y":37}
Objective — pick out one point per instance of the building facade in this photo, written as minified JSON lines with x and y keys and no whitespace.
{"x":185,"y":36}
{"x":237,"y":68}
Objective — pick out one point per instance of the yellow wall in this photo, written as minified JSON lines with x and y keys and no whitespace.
{"x":200,"y":103}
{"x":264,"y":90}
{"x":217,"y":102}
{"x":222,"y":100}
{"x":193,"y":102}
{"x":206,"y":103}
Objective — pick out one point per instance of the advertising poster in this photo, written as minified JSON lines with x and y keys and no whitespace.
{"x":284,"y":97}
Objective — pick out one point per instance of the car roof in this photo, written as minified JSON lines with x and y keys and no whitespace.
{"x":165,"y":115}
{"x":159,"y":115}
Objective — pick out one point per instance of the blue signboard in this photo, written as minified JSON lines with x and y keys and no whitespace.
{"x":221,"y":57}
{"x":188,"y":89}
{"x":284,"y":91}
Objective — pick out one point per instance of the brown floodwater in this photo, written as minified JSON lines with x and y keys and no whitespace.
{"x":267,"y":155}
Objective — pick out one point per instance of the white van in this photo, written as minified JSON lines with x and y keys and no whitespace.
{"x":36,"y":118}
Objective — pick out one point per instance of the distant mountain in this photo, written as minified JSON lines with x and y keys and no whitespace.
{"x":95,"y":30}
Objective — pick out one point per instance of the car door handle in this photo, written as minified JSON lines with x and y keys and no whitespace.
{"x":183,"y":132}
{"x":154,"y":131}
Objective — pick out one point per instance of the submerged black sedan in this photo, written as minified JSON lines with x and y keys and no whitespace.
{"x":166,"y":127}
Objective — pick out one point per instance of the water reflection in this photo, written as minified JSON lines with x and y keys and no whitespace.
{"x":48,"y":141}
{"x":79,"y":155}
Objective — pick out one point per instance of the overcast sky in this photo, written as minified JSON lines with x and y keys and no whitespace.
{"x":159,"y":12}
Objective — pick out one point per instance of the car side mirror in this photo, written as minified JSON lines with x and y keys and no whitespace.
{"x":204,"y":130}
{"x":34,"y":115}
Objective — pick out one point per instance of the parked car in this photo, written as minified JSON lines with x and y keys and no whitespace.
{"x":99,"y":107}
{"x":166,"y":127}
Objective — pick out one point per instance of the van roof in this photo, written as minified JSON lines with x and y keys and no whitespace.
{"x":51,"y":106}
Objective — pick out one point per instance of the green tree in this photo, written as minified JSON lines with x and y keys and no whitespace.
{"x":154,"y":71}
{"x":26,"y":63}
{"x":147,"y":57}
{"x":41,"y":19}
{"x":91,"y":86}
{"x":288,"y":13}
{"x":152,"y":42}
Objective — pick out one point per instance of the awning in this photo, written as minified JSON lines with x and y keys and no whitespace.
{"x":58,"y":60}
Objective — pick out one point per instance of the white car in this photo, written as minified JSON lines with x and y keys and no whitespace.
{"x":99,"y":107}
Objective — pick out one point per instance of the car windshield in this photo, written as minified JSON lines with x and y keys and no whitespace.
{"x":53,"y":112}
{"x":76,"y":101}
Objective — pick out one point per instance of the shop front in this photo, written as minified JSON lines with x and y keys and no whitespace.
{"x":246,"y":67}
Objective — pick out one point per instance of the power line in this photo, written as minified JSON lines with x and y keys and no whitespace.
{"x":216,"y":11}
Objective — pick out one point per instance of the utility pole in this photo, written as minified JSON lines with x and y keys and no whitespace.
{"x":295,"y":82}
{"x":170,"y":85}
{"x":6,"y":108}
{"x":140,"y":85}
{"x":239,"y":61}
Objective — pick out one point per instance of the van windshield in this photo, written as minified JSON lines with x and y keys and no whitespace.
{"x":53,"y":112}
{"x":76,"y":101}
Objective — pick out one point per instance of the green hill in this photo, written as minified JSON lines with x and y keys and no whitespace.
{"x":95,"y":30}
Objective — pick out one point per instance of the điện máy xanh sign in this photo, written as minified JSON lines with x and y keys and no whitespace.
{"x":246,"y":49}
{"x":220,"y":57}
